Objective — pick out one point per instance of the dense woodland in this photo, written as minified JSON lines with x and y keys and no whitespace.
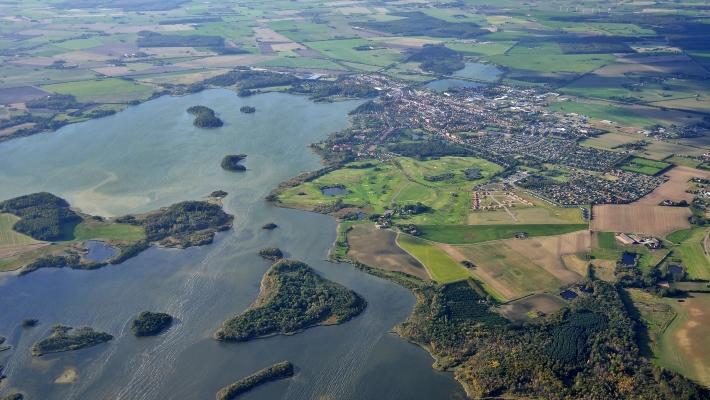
{"x":233,"y":162}
{"x":271,"y":253}
{"x":280,"y":370}
{"x":43,"y":216}
{"x":293,"y":297}
{"x":438,"y":59}
{"x":587,"y":351}
{"x":188,"y":223}
{"x":204,"y":117}
{"x":64,"y":338}
{"x":150,"y":323}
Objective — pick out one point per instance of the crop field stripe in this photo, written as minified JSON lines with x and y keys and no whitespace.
{"x":468,"y":234}
{"x":441,"y":267}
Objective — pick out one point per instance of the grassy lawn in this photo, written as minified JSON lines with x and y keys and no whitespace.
{"x":467,"y":234}
{"x":8,"y":237}
{"x":108,"y":231}
{"x":111,"y":90}
{"x":644,"y":166}
{"x":440,"y":266}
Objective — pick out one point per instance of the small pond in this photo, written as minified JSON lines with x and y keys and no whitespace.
{"x":334,"y":191}
{"x":628,"y":258}
{"x":99,"y":251}
{"x":568,"y":295}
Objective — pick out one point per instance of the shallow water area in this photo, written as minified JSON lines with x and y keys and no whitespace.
{"x":150,"y":156}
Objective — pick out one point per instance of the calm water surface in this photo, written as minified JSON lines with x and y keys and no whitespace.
{"x":151,"y":156}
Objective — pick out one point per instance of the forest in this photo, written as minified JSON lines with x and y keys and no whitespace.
{"x":293,"y":297}
{"x":205,"y":117}
{"x":43,"y":216}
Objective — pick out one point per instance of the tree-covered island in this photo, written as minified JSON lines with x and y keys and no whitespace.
{"x":205,"y":117}
{"x":280,"y":370}
{"x":232,"y":162}
{"x":150,"y":323}
{"x":66,"y":338}
{"x":271,"y":253}
{"x":293,"y":297}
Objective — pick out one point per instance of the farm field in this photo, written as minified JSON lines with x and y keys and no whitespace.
{"x":469,"y":234}
{"x":549,"y":58}
{"x":375,"y":186}
{"x":441,"y":267}
{"x":639,"y":218}
{"x":644,"y":166}
{"x":684,"y":345}
{"x":691,"y":250}
{"x":633,"y":115}
{"x":378,"y":248}
{"x":506,"y":272}
{"x":8,"y":237}
{"x":345,"y":50}
{"x":111,"y":90}
{"x":676,"y":186}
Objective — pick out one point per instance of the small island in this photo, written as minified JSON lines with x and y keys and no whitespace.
{"x":186,"y":224}
{"x":271,"y":253}
{"x":219,"y":194}
{"x":269,"y":226}
{"x":29,"y":322}
{"x":13,"y":396}
{"x":293,"y":297}
{"x":248,"y":109}
{"x":232,"y":162}
{"x":66,"y":338}
{"x":3,"y":347}
{"x":150,"y":324}
{"x":280,"y":370}
{"x":204,"y":117}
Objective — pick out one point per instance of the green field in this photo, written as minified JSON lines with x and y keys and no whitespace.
{"x":644,"y":166}
{"x":468,"y":234}
{"x":111,"y":90}
{"x":8,"y":237}
{"x":692,"y":251}
{"x":606,"y":111}
{"x":440,"y":266}
{"x":378,"y":186}
{"x":548,"y":58}
{"x":344,"y":50}
{"x":108,"y":231}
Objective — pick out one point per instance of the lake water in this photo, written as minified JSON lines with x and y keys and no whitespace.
{"x":334,"y":191}
{"x":476,"y":71}
{"x":151,"y":156}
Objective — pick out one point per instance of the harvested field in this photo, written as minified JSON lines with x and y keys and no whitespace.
{"x":524,"y":309}
{"x":685,"y":345}
{"x":20,"y":94}
{"x":547,"y":252}
{"x":674,"y":189}
{"x":639,"y":218}
{"x":514,"y":268}
{"x":224,"y":61}
{"x":378,"y":248}
{"x":604,"y":269}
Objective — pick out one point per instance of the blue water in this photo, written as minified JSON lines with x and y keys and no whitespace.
{"x":99,"y":251}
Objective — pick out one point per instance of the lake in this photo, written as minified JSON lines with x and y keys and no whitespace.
{"x":151,"y":156}
{"x":463,"y":78}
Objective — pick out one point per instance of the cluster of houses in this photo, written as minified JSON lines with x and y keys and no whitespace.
{"x":619,"y":187}
{"x":510,"y":199}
